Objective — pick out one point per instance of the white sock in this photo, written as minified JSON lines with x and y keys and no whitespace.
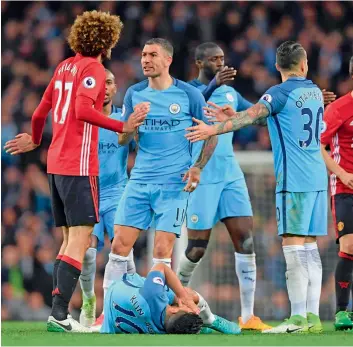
{"x":245,"y":268}
{"x":205,"y":311}
{"x":115,"y":268}
{"x":297,"y":278}
{"x":315,"y":277}
{"x":88,"y":273}
{"x":131,"y":267}
{"x":185,"y":269}
{"x":166,"y":261}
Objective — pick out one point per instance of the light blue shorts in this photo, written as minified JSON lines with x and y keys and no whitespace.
{"x":210,"y":203}
{"x":166,"y":203}
{"x":107,"y":211}
{"x":302,"y":214}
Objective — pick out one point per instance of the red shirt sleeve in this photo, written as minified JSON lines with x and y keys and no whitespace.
{"x":91,"y":81}
{"x":40,"y":114}
{"x":332,"y":121}
{"x":87,"y":113}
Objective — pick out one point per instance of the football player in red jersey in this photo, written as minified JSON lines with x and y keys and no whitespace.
{"x":76,"y":95}
{"x":338,"y":133}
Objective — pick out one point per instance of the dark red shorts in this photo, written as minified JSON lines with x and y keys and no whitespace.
{"x":74,"y":200}
{"x":342,"y":213}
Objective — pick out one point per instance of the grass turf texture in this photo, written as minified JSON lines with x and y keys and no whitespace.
{"x":35,"y":334}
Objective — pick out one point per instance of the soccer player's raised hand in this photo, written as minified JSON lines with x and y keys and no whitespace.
{"x":227,"y":74}
{"x":328,"y":96}
{"x":137,"y":117}
{"x":200,"y":132}
{"x":22,"y":143}
{"x":193,"y":177}
{"x":218,"y":113}
{"x":347,"y":179}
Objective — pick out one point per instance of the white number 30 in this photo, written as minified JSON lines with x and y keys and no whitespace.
{"x":68,"y":87}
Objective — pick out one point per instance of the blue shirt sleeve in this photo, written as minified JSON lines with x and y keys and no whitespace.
{"x":243,"y":104}
{"x":127,"y":109}
{"x":155,"y":293}
{"x":274,"y":99}
{"x":212,"y":86}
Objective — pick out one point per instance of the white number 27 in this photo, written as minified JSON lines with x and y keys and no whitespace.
{"x":68,"y":87}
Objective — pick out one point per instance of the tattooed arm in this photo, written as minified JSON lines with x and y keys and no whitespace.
{"x":244,"y":118}
{"x":207,"y":150}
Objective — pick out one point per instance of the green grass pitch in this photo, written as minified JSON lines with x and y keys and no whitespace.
{"x":34,"y":334}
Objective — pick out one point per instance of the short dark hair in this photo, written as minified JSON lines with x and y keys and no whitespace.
{"x":200,"y":51}
{"x":184,"y":323}
{"x":109,"y":71}
{"x":351,"y":66}
{"x":165,"y":44}
{"x":289,"y":54}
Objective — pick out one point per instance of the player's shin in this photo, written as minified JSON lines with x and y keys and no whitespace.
{"x":131,"y":267}
{"x":343,"y":279}
{"x":69,"y":271}
{"x":88,"y":273}
{"x":297,"y":278}
{"x":315,"y":277}
{"x":115,"y":268}
{"x":205,"y":311}
{"x":245,"y":267}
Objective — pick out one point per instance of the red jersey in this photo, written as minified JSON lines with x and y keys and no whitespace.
{"x":338,"y":133}
{"x":78,"y":86}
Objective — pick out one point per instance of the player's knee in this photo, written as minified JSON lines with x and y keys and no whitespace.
{"x":347,"y":248}
{"x":196,"y":249}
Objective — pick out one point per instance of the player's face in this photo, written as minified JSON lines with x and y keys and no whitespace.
{"x":213,"y":62}
{"x":110,"y":88}
{"x":155,"y":60}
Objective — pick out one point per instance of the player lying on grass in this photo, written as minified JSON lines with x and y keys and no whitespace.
{"x":158,"y":304}
{"x":294,"y":111}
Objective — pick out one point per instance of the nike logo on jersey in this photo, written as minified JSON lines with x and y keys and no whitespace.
{"x":292,"y":330}
{"x":246,"y":272}
{"x":66,"y":327}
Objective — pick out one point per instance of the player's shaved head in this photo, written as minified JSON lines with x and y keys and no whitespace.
{"x":289,"y":55}
{"x":110,"y":74}
{"x":165,"y":44}
{"x":94,"y":33}
{"x":203,"y":50}
{"x":183,"y":323}
{"x":351,"y":66}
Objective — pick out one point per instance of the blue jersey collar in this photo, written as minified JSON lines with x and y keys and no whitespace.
{"x":175,"y":82}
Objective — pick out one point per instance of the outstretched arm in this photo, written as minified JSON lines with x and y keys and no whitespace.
{"x":240,"y":120}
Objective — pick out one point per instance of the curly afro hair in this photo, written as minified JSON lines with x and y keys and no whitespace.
{"x":94,"y":32}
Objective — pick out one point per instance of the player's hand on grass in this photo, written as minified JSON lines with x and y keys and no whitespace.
{"x":22,"y":143}
{"x":347,"y":179}
{"x":227,"y":74}
{"x":328,"y":96}
{"x":193,"y":179}
{"x":200,"y":132}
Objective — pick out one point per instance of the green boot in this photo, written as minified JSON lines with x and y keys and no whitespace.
{"x":343,"y":321}
{"x":314,"y":323}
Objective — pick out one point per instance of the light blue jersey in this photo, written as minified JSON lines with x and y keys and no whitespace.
{"x":164,"y":154}
{"x":112,"y":179}
{"x":112,"y":160}
{"x":223,"y":165}
{"x":295,"y":122}
{"x":135,"y":304}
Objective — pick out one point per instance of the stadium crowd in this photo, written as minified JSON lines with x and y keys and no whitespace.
{"x":33,"y":43}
